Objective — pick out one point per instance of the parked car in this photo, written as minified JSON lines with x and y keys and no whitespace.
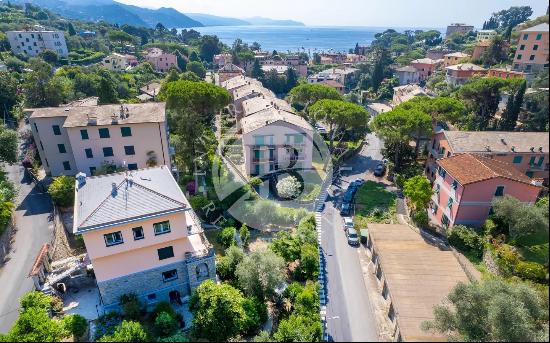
{"x":345,"y":210}
{"x":353,"y":237}
{"x":380,"y":170}
{"x":359,"y":181}
{"x":348,"y":196}
{"x":348,"y":223}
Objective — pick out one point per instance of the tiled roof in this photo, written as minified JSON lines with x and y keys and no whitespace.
{"x":537,"y":28}
{"x":466,"y":66}
{"x":425,"y":61}
{"x":497,"y":141}
{"x":251,"y":90}
{"x":152,"y":88}
{"x":457,"y":54}
{"x":410,"y":69}
{"x":231,"y":68}
{"x":270,"y":116}
{"x":260,"y":103}
{"x":472,"y":168}
{"x":332,"y":83}
{"x":239,"y":81}
{"x":114,"y":199}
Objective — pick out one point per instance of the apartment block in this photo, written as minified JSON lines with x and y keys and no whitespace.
{"x":454,"y":58}
{"x":425,"y":67}
{"x":485,"y":35}
{"x":161,"y":61}
{"x":75,"y":139}
{"x":141,"y":236}
{"x":458,"y":28}
{"x":459,"y":74}
{"x":32,"y":43}
{"x":118,"y":62}
{"x":532,"y":49}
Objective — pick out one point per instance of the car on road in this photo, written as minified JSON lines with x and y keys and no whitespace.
{"x":359,"y":181}
{"x":348,"y":223}
{"x":353,"y":237}
{"x":345,"y":210}
{"x":348,"y":196}
{"x":380,"y":170}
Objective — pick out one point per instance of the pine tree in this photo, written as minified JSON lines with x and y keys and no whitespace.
{"x":513,"y":107}
{"x":72,"y":31}
{"x":291,"y":79}
{"x":257,"y":71}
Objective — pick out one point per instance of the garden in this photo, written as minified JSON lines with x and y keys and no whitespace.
{"x":374,"y":204}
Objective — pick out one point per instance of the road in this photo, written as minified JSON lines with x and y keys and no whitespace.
{"x":350,"y":316}
{"x":32,"y":213}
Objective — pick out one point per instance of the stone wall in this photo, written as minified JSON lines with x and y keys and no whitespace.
{"x":200,"y":270}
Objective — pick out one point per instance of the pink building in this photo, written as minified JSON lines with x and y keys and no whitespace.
{"x":467,"y":184}
{"x":160,"y":60}
{"x":425,"y":67}
{"x":532,"y":51}
{"x":142,"y":236}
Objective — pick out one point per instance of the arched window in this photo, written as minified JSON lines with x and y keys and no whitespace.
{"x":202,"y":271}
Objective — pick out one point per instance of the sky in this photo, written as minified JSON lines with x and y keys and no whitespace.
{"x":382,"y":13}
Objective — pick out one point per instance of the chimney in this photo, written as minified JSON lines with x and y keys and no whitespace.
{"x":92,"y":119}
{"x":81,"y":178}
{"x":114,"y":189}
{"x":540,"y":149}
{"x":503,"y":141}
{"x":532,"y":149}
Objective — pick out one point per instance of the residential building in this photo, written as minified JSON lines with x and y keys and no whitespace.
{"x":405,"y":93}
{"x":274,"y":139}
{"x":485,"y":35}
{"x":260,"y":103}
{"x":354,"y":58}
{"x":479,"y":49}
{"x":149,"y":92}
{"x":459,"y":74}
{"x":414,"y":276}
{"x":467,"y":184}
{"x":437,"y":53}
{"x":75,"y":138}
{"x":505,"y":73}
{"x":344,"y":75}
{"x":31,"y":43}
{"x":532,"y":49}
{"x":454,"y":58}
{"x":118,"y":62}
{"x":229,"y":71}
{"x":248,"y":92}
{"x":425,"y":67}
{"x":377,"y":108}
{"x":458,"y":28}
{"x":222,"y":59}
{"x":407,"y":75}
{"x":239,"y":81}
{"x":334,"y":84}
{"x":279,"y":69}
{"x":525,"y":151}
{"x":290,"y":61}
{"x":142,"y":236}
{"x":161,"y":61}
{"x":333,"y":58}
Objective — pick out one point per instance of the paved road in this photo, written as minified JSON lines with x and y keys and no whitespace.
{"x":33,"y":230}
{"x":350,"y":316}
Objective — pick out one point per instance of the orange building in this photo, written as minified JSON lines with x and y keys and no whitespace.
{"x":532,"y":51}
{"x":505,"y":73}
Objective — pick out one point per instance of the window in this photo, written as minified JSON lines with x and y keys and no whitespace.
{"x":165,"y":253}
{"x":132,"y":166}
{"x":138,"y":233}
{"x":454,"y":186}
{"x":161,"y":228}
{"x":89,"y":153}
{"x":530,"y":174}
{"x":129,"y":150}
{"x":518,"y":159}
{"x":522,"y":47}
{"x":441,"y":172}
{"x":92,"y":171}
{"x":519,"y":56}
{"x":126,"y":131}
{"x":84,"y":134}
{"x":539,"y":36}
{"x":56,"y":130}
{"x":151,"y":297}
{"x":541,"y":160}
{"x":532,"y":58}
{"x":66,"y":165}
{"x":500,"y":191}
{"x":535,"y":47}
{"x":259,"y":140}
{"x":113,"y":238}
{"x":445,"y":221}
{"x":450,"y":203}
{"x":61,"y":148}
{"x":170,"y":275}
{"x":104,"y":133}
{"x":525,"y":36}
{"x":299,"y":139}
{"x":532,"y":160}
{"x":108,"y":152}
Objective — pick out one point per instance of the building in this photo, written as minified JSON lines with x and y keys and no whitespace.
{"x":274,"y":139}
{"x":32,"y":43}
{"x":526,"y":151}
{"x":279,"y":69}
{"x":479,"y":49}
{"x":238,"y":82}
{"x":454,"y":58}
{"x":355,"y":58}
{"x":505,"y":73}
{"x":467,"y":184}
{"x":118,"y":62}
{"x":414,"y":277}
{"x":152,"y":89}
{"x":141,"y":236}
{"x":425,"y":67}
{"x":333,"y":58}
{"x":86,"y":34}
{"x":377,"y":108}
{"x":81,"y":138}
{"x":334,"y":84}
{"x":161,"y":61}
{"x":437,"y":53}
{"x":405,"y":93}
{"x":485,"y":35}
{"x":532,"y":49}
{"x":344,"y":75}
{"x":260,"y":103}
{"x":407,"y":75}
{"x":458,"y":28}
{"x":229,"y":71}
{"x":459,"y":74}
{"x":244,"y":93}
{"x":222,"y":59}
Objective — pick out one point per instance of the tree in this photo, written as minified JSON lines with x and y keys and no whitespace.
{"x":519,"y":219}
{"x":49,"y":56}
{"x":75,"y":324}
{"x":288,"y":187}
{"x":209,"y":46}
{"x":181,"y":60}
{"x":36,"y":83}
{"x":190,"y":76}
{"x":227,"y":264}
{"x":34,"y":325}
{"x":172,"y":76}
{"x":165,"y":324}
{"x":260,"y":273}
{"x":511,"y":17}
{"x":62,"y":190}
{"x":492,"y":311}
{"x":257,"y":71}
{"x":8,"y":145}
{"x":291,"y":79}
{"x":537,"y":105}
{"x":482,"y":97}
{"x":307,"y":94}
{"x":496,"y":52}
{"x":244,"y":233}
{"x":106,"y":90}
{"x":441,"y":109}
{"x":419,"y":191}
{"x":72,"y":31}
{"x":286,"y":246}
{"x":121,"y":37}
{"x":194,"y":57}
{"x":197,"y":68}
{"x":226,"y":237}
{"x":510,"y":116}
{"x":299,"y":328}
{"x":309,"y":262}
{"x":8,"y":91}
{"x":340,"y":116}
{"x":127,"y":331}
{"x":218,"y":311}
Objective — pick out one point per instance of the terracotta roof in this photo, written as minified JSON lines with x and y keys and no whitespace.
{"x":39,"y":259}
{"x":497,"y":141}
{"x":239,"y":81}
{"x":332,"y":83}
{"x":231,"y":68}
{"x":260,"y":103}
{"x":472,"y":168}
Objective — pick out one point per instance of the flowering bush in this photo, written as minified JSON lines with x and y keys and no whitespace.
{"x":289,"y":187}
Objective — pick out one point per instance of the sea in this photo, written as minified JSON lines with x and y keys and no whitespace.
{"x":309,"y":39}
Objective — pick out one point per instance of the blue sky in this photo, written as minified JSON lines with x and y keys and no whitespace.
{"x":394,"y":13}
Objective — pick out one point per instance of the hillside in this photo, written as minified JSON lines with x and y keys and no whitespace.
{"x":272,"y":22}
{"x":213,"y":20}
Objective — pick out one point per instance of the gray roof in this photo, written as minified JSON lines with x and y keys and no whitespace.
{"x":410,"y":69}
{"x":270,"y":116}
{"x":115,"y":199}
{"x":497,"y":141}
{"x":537,"y":28}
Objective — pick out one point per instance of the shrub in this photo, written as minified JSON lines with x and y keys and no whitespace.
{"x":75,"y":324}
{"x":56,"y":304}
{"x":131,"y":307}
{"x":420,"y":218}
{"x":163,"y":307}
{"x":245,"y":235}
{"x":106,"y":324}
{"x":62,"y":191}
{"x":309,"y":262}
{"x":128,"y":331}
{"x":252,"y":319}
{"x":36,"y":300}
{"x":531,"y":271}
{"x":226,"y":237}
{"x":227,"y":264}
{"x":288,"y":187}
{"x":466,"y":239}
{"x":177,"y":337}
{"x":165,"y":324}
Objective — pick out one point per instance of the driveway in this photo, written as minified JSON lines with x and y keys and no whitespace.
{"x":350,"y":315}
{"x":33,"y":230}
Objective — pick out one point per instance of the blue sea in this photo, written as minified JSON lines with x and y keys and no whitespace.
{"x":308,"y":39}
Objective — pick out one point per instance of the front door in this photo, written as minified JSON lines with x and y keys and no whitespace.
{"x":175,"y":297}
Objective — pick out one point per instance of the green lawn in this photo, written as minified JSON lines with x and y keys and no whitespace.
{"x":534,"y":248}
{"x":373,"y":203}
